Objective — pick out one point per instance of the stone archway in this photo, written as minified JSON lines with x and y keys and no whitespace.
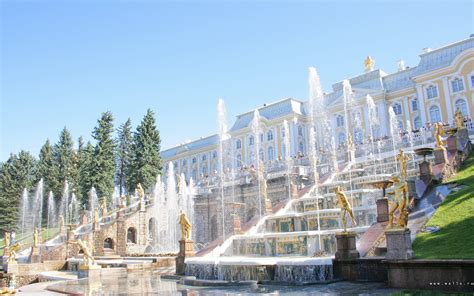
{"x":132,"y":235}
{"x":109,"y":243}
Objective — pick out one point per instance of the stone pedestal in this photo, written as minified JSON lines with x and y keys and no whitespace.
{"x":382,"y":210}
{"x":35,"y":256}
{"x":426,"y":172}
{"x":92,"y":272}
{"x":237,"y":226}
{"x":186,"y":249}
{"x":452,"y":143}
{"x":440,"y":155}
{"x":11,"y":268}
{"x":346,"y":246}
{"x":398,"y":244}
{"x":70,"y":235}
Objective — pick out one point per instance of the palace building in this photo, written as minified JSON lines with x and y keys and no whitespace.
{"x":441,"y":83}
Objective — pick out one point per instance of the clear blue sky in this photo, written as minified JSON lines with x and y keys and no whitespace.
{"x":65,"y":62}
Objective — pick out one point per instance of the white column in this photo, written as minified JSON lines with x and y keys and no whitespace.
{"x":447,"y":100}
{"x":407,"y":111}
{"x":421,"y":104}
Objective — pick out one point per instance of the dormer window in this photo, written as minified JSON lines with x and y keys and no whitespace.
{"x":431,"y":91}
{"x":457,"y":85}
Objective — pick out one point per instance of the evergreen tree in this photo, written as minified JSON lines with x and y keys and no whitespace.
{"x":146,"y":159}
{"x":86,"y":173}
{"x":16,"y":174}
{"x":104,"y":158}
{"x":124,"y":140}
{"x":47,"y":168}
{"x":63,"y":155}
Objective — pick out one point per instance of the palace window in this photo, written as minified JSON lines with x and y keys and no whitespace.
{"x":358,"y":136}
{"x":414,"y":105}
{"x":301,"y":146}
{"x":175,"y":165}
{"x":194,"y":175}
{"x":431,"y":91}
{"x":184,"y":162}
{"x":283,"y":132}
{"x":261,"y":137}
{"x":204,"y":157}
{"x":251,"y":140}
{"x":204,"y":171}
{"x":238,"y":144}
{"x":270,"y":136}
{"x":239,"y":160}
{"x":300,"y":130}
{"x":435,"y":114}
{"x":397,"y":108}
{"x":341,"y":138}
{"x":270,"y":153}
{"x":214,"y":154}
{"x":261,"y":156}
{"x":457,"y":85}
{"x":194,"y":160}
{"x":417,"y":123}
{"x":461,"y":105}
{"x":472,"y":81}
{"x":339,"y":120}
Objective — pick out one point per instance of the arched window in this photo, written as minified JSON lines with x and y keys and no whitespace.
{"x":261,"y":137}
{"x":194,"y":174}
{"x":457,"y":85}
{"x":194,"y":160}
{"x":270,"y":153}
{"x":251,"y":140}
{"x":435,"y":115}
{"x":339,"y":120}
{"x":204,"y":157}
{"x":184,"y":162}
{"x":461,"y":105}
{"x":270,"y":136}
{"x":204,"y":171}
{"x":283,"y":131}
{"x":431,"y":91}
{"x":341,"y":138}
{"x":175,"y":165}
{"x":238,"y":144}
{"x":400,"y":124}
{"x":214,"y":154}
{"x":414,"y":105}
{"x":108,"y":243}
{"x":132,"y":235}
{"x":417,"y":122}
{"x":239,"y":160}
{"x":261,"y":155}
{"x":397,"y":108}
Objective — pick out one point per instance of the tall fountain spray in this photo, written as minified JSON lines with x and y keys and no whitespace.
{"x":93,"y":202}
{"x":64,"y":205}
{"x":287,"y":156}
{"x":73,"y":209}
{"x":394,"y":131}
{"x":172,"y":208}
{"x":37,"y":207}
{"x":373,"y":122}
{"x":24,"y":210}
{"x":51,"y":219}
{"x":348,"y":101}
{"x":257,"y":162}
{"x":223,"y":136}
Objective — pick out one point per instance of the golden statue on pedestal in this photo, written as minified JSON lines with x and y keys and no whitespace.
{"x":13,"y":251}
{"x":459,"y":119}
{"x":140,"y":192}
{"x":185,"y":226}
{"x":345,"y":207}
{"x":350,"y":143}
{"x":369,"y":64}
{"x":402,"y":158}
{"x":35,"y":237}
{"x":103,"y":207}
{"x":7,"y":239}
{"x":401,"y":202}
{"x":438,"y":133}
{"x":96,"y":216}
{"x":86,"y":250}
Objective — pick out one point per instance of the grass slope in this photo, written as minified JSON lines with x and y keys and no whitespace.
{"x":455,"y":216}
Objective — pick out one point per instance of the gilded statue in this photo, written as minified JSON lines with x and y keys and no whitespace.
{"x":369,"y":64}
{"x":438,"y":133}
{"x":400,"y":202}
{"x":459,"y":119}
{"x":86,"y":250}
{"x":345,"y":207}
{"x":7,"y":239}
{"x":13,"y":252}
{"x":350,"y":143}
{"x":185,"y":226}
{"x":103,"y":207}
{"x":35,"y":237}
{"x":140,"y":192}
{"x":402,"y":158}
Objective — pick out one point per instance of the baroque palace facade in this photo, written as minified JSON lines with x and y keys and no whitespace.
{"x":441,"y":83}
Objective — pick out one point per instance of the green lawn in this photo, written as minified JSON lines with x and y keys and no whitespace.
{"x":455,"y":216}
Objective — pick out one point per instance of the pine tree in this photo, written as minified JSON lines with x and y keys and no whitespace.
{"x":104,"y":157}
{"x":17,"y":173}
{"x":146,"y":159}
{"x":63,"y":155}
{"x":86,"y":173}
{"x":46,"y":168}
{"x":124,"y":140}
